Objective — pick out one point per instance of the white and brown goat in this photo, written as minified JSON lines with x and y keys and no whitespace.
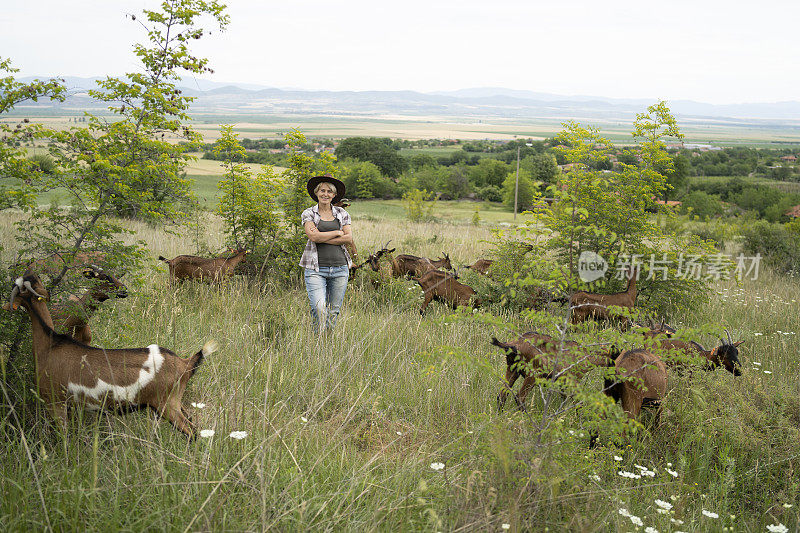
{"x":73,"y":315}
{"x":66,"y":369}
{"x":215,"y":269}
{"x":587,"y":305}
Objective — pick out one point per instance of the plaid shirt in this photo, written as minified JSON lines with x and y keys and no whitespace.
{"x":310,"y":257}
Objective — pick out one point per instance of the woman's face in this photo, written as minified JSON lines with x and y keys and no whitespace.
{"x":325,"y":194}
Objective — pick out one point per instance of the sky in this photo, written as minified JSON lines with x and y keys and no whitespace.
{"x":718,"y":52}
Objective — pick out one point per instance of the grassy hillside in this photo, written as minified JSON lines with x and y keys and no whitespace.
{"x":346,"y":432}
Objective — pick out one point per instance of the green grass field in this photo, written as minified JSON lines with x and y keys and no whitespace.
{"x":347,"y":432}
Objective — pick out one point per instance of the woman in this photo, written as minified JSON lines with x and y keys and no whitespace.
{"x":325,"y":258}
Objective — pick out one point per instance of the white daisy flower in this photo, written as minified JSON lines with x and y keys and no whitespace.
{"x":663,"y":504}
{"x":238,"y":435}
{"x":437,"y":466}
{"x":710,"y":514}
{"x":777,"y":528}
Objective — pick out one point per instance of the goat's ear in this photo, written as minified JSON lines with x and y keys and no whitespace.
{"x":392,"y":250}
{"x":736,"y":344}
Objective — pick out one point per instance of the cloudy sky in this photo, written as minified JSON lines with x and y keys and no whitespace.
{"x":705,"y":50}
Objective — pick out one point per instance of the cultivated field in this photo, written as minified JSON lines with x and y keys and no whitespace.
{"x":347,"y":432}
{"x":256,"y":126}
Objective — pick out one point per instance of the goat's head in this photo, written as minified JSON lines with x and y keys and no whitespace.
{"x":661,"y":328}
{"x":25,"y":289}
{"x":106,"y":285}
{"x":446,"y":262}
{"x":374,"y":259}
{"x":727,"y":355}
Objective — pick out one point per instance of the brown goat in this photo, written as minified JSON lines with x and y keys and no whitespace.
{"x":644,"y":382}
{"x":725,"y":355}
{"x":586,"y":305}
{"x":55,"y":264}
{"x":405,"y":265}
{"x":481,"y":266}
{"x":185,"y":267}
{"x":72,"y":316}
{"x":443,"y":287}
{"x":535,"y":355}
{"x":65,"y":368}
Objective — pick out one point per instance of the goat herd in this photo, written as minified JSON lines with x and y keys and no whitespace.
{"x":67,"y":367}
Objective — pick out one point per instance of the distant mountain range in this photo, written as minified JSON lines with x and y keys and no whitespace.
{"x":484,"y":102}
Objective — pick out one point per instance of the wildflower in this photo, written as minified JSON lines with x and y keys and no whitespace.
{"x":676,"y":521}
{"x":304,"y":419}
{"x":617,"y":458}
{"x":710,"y":514}
{"x":664,"y":505}
{"x":756,"y":363}
{"x":671,"y":472}
{"x":399,"y":433}
{"x":669,"y":464}
{"x":757,"y":334}
{"x":206,"y":433}
{"x":437,"y":466}
{"x":767,"y":372}
{"x":238,"y":435}
{"x":630,"y":475}
{"x":198,"y":405}
{"x":777,"y":528}
{"x":505,"y":526}
{"x":788,"y":505}
{"x":595,"y":477}
{"x":624,"y":512}
{"x":430,"y":390}
{"x":662,"y":511}
{"x":650,"y":529}
{"x":636,"y":520}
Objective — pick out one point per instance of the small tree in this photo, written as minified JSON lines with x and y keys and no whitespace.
{"x":419,"y":204}
{"x":247,"y":204}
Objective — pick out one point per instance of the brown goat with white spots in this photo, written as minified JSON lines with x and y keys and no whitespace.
{"x":534,"y":355}
{"x":443,"y":287}
{"x":216,"y":269}
{"x":73,"y":315}
{"x":67,"y":369}
{"x":587,"y":305}
{"x":644,"y":382}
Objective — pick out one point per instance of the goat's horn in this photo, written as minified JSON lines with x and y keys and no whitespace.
{"x":27,"y":285}
{"x":730,"y":341}
{"x":14,"y":293}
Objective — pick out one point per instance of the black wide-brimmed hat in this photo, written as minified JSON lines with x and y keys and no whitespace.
{"x":327,"y":178}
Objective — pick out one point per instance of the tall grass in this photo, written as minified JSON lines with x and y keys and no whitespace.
{"x":342,"y":430}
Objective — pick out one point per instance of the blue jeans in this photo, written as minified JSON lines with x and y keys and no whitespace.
{"x":326,"y":293}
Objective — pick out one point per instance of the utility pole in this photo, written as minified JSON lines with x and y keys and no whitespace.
{"x":516,"y":186}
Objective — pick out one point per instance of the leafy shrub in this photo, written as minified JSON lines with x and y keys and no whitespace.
{"x":702,"y":204}
{"x":490,"y":193}
{"x":419,"y":205}
{"x":776,"y":243}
